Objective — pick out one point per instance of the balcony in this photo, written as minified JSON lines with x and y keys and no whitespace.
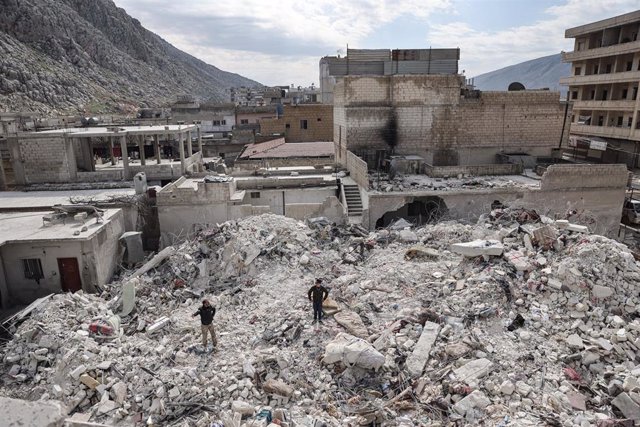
{"x":606,"y":131}
{"x":620,"y":105}
{"x":596,"y":79}
{"x":601,"y":52}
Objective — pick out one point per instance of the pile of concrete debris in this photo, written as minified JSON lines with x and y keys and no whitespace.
{"x":517,"y":320}
{"x":384,"y":183}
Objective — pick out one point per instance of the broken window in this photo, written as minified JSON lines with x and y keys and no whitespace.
{"x":608,"y":69}
{"x":303,"y":124}
{"x":624,"y":93}
{"x":287,"y":126}
{"x":620,"y":118}
{"x":255,"y":194}
{"x":32,"y":269}
{"x":574,"y":94}
{"x":629,"y":65}
{"x":578,"y":71}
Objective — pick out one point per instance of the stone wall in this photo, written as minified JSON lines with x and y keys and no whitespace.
{"x":357,"y":169}
{"x":581,"y":176}
{"x":598,"y":206}
{"x":427,"y":115}
{"x":319,"y":123}
{"x":42,"y":159}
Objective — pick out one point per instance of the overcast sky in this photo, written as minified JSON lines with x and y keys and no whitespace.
{"x":280,"y":42}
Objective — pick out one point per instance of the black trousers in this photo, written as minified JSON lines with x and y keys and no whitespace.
{"x":317,"y":310}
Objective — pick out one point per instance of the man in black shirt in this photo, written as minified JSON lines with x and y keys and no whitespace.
{"x":206,"y":312}
{"x":317,"y":294}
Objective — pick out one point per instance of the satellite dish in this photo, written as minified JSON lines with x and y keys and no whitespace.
{"x":514,"y":86}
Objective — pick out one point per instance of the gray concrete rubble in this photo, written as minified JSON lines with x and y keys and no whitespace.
{"x":543,"y":328}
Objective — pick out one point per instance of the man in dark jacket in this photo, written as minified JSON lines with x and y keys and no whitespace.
{"x":206,"y":312}
{"x":317,"y":294}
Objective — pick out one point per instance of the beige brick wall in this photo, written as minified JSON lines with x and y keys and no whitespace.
{"x":432,"y":117}
{"x":319,"y":119}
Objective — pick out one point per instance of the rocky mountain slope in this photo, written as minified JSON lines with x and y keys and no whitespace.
{"x":535,"y":74}
{"x":90,"y":56}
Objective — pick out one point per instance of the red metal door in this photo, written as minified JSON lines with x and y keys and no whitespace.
{"x":69,"y":274}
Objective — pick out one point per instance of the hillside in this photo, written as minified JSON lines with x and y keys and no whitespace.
{"x":535,"y":74}
{"x":90,"y":56}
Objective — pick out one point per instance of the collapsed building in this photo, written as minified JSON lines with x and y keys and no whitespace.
{"x":518,"y":319}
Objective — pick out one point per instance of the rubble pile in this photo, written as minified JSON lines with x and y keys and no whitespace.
{"x":517,"y":320}
{"x":407,"y":182}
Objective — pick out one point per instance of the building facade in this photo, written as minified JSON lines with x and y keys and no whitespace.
{"x":603,"y":88}
{"x":301,"y":123}
{"x":437,"y":118}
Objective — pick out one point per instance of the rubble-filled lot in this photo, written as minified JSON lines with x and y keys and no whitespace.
{"x":533,"y":323}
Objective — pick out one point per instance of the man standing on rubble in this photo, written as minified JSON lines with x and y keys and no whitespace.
{"x":206,"y":312}
{"x":317,"y":294}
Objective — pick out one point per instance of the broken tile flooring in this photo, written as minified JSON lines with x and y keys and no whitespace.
{"x":522,"y":332}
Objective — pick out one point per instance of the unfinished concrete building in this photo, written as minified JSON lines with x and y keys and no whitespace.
{"x":96,"y":154}
{"x":603,"y":88}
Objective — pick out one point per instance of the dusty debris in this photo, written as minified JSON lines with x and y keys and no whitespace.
{"x":543,"y":327}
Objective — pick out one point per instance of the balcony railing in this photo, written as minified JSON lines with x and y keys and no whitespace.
{"x":619,"y":105}
{"x":626,"y":76}
{"x":601,"y":52}
{"x":606,"y":131}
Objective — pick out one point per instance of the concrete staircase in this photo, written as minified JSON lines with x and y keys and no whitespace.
{"x":353,"y":199}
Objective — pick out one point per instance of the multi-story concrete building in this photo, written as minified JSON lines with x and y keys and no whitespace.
{"x":603,"y":87}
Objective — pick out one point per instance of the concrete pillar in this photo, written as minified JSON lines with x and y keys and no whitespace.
{"x":189,"y":144}
{"x":200,"y":141}
{"x":3,"y":185}
{"x":183,"y":167}
{"x":156,"y":146}
{"x":125,"y":156}
{"x":141,"y":149}
{"x":113,"y":157}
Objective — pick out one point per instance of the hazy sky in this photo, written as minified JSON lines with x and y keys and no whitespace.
{"x":281,"y":41}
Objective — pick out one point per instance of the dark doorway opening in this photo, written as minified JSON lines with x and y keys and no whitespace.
{"x":69,"y":274}
{"x":420,"y":211}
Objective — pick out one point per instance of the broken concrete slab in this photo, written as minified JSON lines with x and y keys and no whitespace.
{"x":478,"y":248}
{"x":89,"y":381}
{"x":518,"y":260}
{"x":420,"y":355}
{"x":601,"y":292}
{"x":351,"y":321}
{"x":16,"y":412}
{"x":473,"y":370}
{"x":627,"y":406}
{"x":158,"y":324}
{"x":421,"y":252}
{"x":475,"y":400}
{"x":277,"y":386}
{"x":578,"y":228}
{"x":352,"y":351}
{"x":128,"y":297}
